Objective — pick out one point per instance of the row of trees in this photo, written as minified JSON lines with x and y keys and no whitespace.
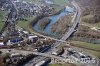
{"x":84,"y":31}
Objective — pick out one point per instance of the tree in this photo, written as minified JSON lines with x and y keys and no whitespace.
{"x":0,"y":52}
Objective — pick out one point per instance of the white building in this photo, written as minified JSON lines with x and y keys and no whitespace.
{"x":1,"y":43}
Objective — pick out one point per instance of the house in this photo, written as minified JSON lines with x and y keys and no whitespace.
{"x":33,"y":38}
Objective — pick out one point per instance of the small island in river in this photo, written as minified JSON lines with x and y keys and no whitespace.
{"x":43,"y":23}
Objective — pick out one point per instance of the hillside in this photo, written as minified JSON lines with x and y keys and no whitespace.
{"x":90,"y":10}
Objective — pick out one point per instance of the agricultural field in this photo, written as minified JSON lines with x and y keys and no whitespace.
{"x":88,"y":47}
{"x":97,"y":54}
{"x":61,"y":65}
{"x":97,"y":25}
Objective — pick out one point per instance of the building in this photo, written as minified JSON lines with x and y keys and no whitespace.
{"x":17,"y":39}
{"x":1,"y":41}
{"x":33,"y":38}
{"x":58,"y":52}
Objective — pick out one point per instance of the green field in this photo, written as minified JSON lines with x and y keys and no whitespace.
{"x":2,"y":17}
{"x":61,"y":65}
{"x":26,"y":24}
{"x":93,"y":25}
{"x":57,"y":8}
{"x":87,"y":17}
{"x":21,"y":23}
{"x":31,"y":0}
{"x":89,"y":46}
{"x":97,"y":54}
{"x":63,"y":2}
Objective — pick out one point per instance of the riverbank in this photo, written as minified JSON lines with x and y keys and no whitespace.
{"x":36,"y":21}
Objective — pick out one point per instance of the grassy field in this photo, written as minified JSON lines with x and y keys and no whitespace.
{"x":97,"y":54}
{"x":90,"y":24}
{"x":57,"y":8}
{"x":2,"y":17}
{"x":89,"y":46}
{"x":26,"y":24}
{"x":63,"y":2}
{"x":31,"y":0}
{"x":21,"y":23}
{"x":93,"y":25}
{"x":61,"y":65}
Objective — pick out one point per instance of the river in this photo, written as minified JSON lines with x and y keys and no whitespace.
{"x":53,"y":19}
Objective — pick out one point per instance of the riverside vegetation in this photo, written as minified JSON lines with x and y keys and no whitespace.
{"x":43,"y":23}
{"x":62,"y":25}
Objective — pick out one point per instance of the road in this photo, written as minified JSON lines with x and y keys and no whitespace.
{"x":76,"y":21}
{"x":44,"y":55}
{"x":30,"y":52}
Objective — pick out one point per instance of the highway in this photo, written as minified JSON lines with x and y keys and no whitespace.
{"x":76,"y":21}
